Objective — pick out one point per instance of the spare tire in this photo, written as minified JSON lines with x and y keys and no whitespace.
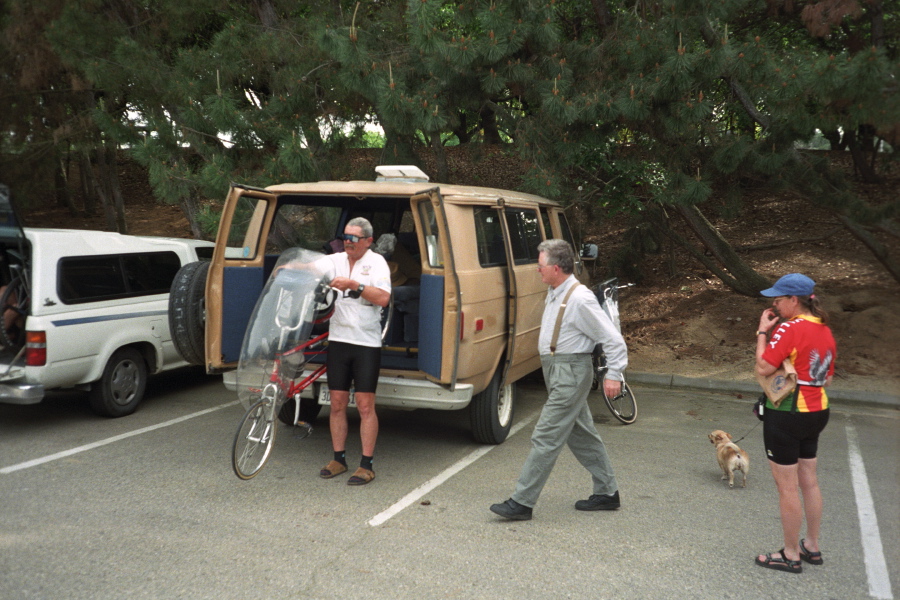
{"x":187,"y":308}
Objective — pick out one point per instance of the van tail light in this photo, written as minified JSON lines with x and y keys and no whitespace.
{"x":35,"y":348}
{"x":462,"y":324}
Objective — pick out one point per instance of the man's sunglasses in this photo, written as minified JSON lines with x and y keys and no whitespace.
{"x":347,"y":237}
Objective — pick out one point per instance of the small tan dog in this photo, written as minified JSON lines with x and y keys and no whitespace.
{"x":730,"y":457}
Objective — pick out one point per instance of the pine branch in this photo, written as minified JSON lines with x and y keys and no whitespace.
{"x":876,"y":247}
{"x":736,"y":88}
{"x":890,"y":228}
{"x":705,"y":260}
{"x":807,"y":240}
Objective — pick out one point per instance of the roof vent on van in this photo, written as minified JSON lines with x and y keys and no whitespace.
{"x":409,"y":173}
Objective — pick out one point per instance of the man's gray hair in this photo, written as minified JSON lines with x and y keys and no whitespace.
{"x":362,"y":223}
{"x":560,"y":253}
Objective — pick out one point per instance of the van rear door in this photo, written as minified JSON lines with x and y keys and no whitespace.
{"x":439,"y":332}
{"x":237,"y":273}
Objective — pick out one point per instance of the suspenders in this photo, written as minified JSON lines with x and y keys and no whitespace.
{"x":559,"y":318}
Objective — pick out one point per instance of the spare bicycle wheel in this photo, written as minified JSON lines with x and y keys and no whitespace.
{"x":624,"y":406}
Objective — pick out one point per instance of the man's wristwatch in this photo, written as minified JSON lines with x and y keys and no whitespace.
{"x":357,"y":292}
{"x":761,"y":333}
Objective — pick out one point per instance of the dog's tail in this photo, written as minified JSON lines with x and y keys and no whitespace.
{"x":738,"y":455}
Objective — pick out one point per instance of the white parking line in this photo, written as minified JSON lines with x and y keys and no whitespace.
{"x":446,"y":474}
{"x":873,"y":551}
{"x":117,"y":438}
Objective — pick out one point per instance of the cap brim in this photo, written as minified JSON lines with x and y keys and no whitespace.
{"x":771,"y":293}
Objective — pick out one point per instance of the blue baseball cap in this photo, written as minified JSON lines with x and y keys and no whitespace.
{"x":792,"y":284}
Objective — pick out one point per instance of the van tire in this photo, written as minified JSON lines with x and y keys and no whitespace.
{"x":491,"y":411}
{"x":121,"y":387}
{"x":187,"y":322}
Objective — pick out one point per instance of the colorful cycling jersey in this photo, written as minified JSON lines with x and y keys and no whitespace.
{"x":812,"y":350}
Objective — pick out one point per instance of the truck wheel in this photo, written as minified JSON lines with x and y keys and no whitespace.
{"x":122,"y":385}
{"x":491,"y":411}
{"x":187,"y":322}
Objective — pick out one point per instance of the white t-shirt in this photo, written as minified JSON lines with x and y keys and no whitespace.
{"x":357,"y":321}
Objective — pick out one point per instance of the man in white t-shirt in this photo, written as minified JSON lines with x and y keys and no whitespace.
{"x":363,"y":279}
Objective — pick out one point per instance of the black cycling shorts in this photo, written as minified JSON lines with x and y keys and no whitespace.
{"x":352,"y":365}
{"x":790,"y":436}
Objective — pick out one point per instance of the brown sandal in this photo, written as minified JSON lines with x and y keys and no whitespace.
{"x":332,"y":469}
{"x":361,"y":477}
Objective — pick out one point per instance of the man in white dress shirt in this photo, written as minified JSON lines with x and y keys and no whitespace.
{"x":565,"y":345}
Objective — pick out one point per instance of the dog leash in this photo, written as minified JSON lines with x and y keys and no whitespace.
{"x":746,"y":434}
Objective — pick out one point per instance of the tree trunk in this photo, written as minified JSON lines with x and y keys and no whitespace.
{"x":602,"y":15}
{"x":744,"y":279}
{"x":488,"y":122}
{"x":189,"y":208}
{"x":113,"y":185}
{"x":440,"y":158}
{"x":876,"y":15}
{"x":462,"y":130}
{"x":87,"y":184}
{"x":865,"y":171}
{"x":61,"y":182}
{"x":398,"y":149}
{"x":101,"y":189}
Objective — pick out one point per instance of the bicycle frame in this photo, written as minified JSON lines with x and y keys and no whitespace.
{"x":281,"y":388}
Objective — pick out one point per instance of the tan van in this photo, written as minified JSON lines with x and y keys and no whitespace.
{"x":467,"y":296}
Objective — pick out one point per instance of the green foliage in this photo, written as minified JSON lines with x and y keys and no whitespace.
{"x":659,"y":105}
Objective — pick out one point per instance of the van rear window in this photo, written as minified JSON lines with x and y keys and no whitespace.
{"x":112,"y":276}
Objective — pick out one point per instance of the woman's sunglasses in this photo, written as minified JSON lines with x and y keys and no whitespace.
{"x":347,"y":237}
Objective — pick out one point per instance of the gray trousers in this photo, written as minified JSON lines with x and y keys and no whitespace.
{"x":565,"y":419}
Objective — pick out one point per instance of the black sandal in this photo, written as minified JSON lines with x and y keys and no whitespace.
{"x":780,"y":563}
{"x":813,"y":558}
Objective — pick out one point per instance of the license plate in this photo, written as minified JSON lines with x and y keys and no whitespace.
{"x":325,"y":396}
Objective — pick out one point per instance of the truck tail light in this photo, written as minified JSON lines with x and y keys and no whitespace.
{"x":35,"y":348}
{"x":462,"y":324}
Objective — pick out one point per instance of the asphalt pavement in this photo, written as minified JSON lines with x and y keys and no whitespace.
{"x":147,"y":507}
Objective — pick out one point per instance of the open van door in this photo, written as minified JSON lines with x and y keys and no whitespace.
{"x":439,"y":330}
{"x":237,"y":273}
{"x":15,"y":271}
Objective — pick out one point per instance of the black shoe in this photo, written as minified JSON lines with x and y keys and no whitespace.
{"x":512,"y":510}
{"x":600,"y":502}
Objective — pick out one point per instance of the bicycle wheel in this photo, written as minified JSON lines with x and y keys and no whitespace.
{"x":624,"y":406}
{"x":253,"y":440}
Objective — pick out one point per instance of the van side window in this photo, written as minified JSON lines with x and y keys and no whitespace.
{"x":112,"y":276}
{"x":524,"y":234}
{"x":431,"y":234}
{"x":489,"y":237}
{"x":548,"y":229}
{"x":244,"y":232}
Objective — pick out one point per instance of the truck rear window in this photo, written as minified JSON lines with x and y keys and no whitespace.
{"x":112,"y":276}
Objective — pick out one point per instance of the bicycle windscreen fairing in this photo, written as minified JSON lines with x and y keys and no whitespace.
{"x":281,"y":324}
